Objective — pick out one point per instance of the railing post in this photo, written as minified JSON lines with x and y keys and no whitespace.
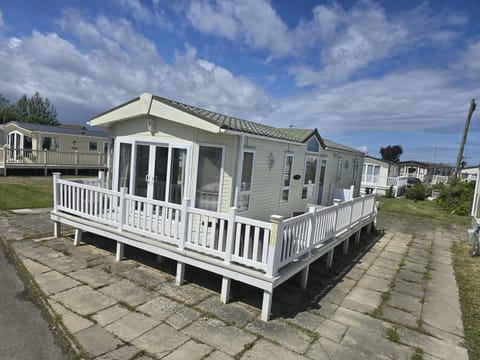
{"x":363,"y":206}
{"x":232,"y":217}
{"x":336,"y":219}
{"x":311,"y":230}
{"x":56,"y":190}
{"x":184,"y":217}
{"x":76,"y":161}
{"x":275,"y":245}
{"x":101,"y":179}
{"x":121,"y":208}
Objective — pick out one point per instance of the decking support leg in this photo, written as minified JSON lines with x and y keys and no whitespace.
{"x":78,"y":237}
{"x":120,"y":250}
{"x":369,"y":228}
{"x":345,"y":246}
{"x":225,"y":294}
{"x":180,"y":273}
{"x":330,"y":258}
{"x":304,"y":277}
{"x":57,"y":227}
{"x":266,"y":305}
{"x":357,"y":236}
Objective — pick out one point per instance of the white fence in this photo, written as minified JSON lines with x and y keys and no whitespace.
{"x":27,"y":157}
{"x":264,"y":246}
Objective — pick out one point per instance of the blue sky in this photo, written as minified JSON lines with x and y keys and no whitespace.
{"x":364,"y":73}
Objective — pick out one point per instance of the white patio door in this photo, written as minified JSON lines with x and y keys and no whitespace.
{"x":151,"y":170}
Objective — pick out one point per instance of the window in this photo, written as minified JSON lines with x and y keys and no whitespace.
{"x":371,"y":173}
{"x":339,"y":168}
{"x":177,"y":175}
{"x":92,"y":146}
{"x":125,"y":158}
{"x":243,"y":201}
{"x":310,"y":177}
{"x":354,"y":172}
{"x":208,"y":178}
{"x":105,"y":147}
{"x":286,"y":177}
{"x":313,"y":145}
{"x":50,"y":143}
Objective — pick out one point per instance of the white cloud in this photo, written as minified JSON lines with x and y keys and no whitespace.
{"x":1,"y":19}
{"x":412,"y":100}
{"x":105,"y":62}
{"x":254,"y":22}
{"x":470,"y":60}
{"x":136,"y":9}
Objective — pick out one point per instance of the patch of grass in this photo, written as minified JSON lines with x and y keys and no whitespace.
{"x":418,"y":355}
{"x":421,"y":209}
{"x":467,"y":273}
{"x":392,"y":335}
{"x":17,"y":196}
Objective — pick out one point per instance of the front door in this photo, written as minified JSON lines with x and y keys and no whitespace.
{"x":158,"y":171}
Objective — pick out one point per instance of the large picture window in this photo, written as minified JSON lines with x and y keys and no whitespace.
{"x":50,"y":143}
{"x":246,"y":181}
{"x":208,"y":178}
{"x":310,"y":177}
{"x":124,"y":165}
{"x":286,"y":177}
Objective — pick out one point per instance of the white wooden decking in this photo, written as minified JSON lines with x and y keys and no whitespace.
{"x":258,"y":253}
{"x":12,"y":158}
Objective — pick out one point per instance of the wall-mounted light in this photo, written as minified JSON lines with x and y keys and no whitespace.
{"x":271,"y":161}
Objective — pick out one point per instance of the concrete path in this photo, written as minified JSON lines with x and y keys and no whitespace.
{"x":25,"y":333}
{"x":396,"y":300}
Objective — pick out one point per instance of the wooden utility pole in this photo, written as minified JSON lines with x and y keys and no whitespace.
{"x":464,"y":138}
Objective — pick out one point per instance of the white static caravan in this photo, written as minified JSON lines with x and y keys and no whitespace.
{"x":379,"y":175}
{"x":200,"y":187}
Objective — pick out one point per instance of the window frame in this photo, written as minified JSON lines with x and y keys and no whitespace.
{"x":283,"y":186}
{"x":220,"y":185}
{"x":339,"y":168}
{"x":246,"y":192}
{"x":90,"y":142}
{"x":304,"y":185}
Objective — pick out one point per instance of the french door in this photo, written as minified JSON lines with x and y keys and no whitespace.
{"x":153,"y":171}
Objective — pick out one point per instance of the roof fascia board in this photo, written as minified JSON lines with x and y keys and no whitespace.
{"x":136,"y":108}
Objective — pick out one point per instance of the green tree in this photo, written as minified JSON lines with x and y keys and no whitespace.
{"x":391,"y":153}
{"x":36,"y":110}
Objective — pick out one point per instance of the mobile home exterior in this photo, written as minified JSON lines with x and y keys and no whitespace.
{"x":228,"y":195}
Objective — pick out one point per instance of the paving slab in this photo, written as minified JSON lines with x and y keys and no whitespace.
{"x":228,"y":339}
{"x":188,"y":294}
{"x":282,"y":333}
{"x":182,"y":317}
{"x":145,"y":276}
{"x":74,"y":322}
{"x":231,"y":313}
{"x":410,"y":276}
{"x":395,"y":256}
{"x":110,"y":314}
{"x":95,"y":277}
{"x":84,"y":300}
{"x":161,"y":340}
{"x":382,"y":272}
{"x":40,"y":253}
{"x":218,"y":355}
{"x":332,"y":330}
{"x":363,"y":300}
{"x":433,"y":346}
{"x":355,"y":273}
{"x":410,"y":266}
{"x":125,"y":352}
{"x":128,"y":292}
{"x":358,"y":320}
{"x":400,"y":317}
{"x":131,"y":326}
{"x":263,"y":348}
{"x":35,"y":268}
{"x":307,"y":320}
{"x":53,"y":282}
{"x":191,"y":350}
{"x":96,"y":341}
{"x":323,"y":349}
{"x":405,"y":302}
{"x":408,"y":288}
{"x":160,"y":308}
{"x":374,"y":283}
{"x":448,"y":320}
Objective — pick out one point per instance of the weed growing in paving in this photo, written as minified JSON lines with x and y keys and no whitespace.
{"x":392,"y":335}
{"x":418,"y":355}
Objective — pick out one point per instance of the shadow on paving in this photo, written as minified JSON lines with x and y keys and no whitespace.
{"x":289,"y":299}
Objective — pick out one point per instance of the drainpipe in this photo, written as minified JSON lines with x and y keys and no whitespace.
{"x":239,"y":168}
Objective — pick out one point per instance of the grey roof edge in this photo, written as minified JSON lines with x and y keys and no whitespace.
{"x":334,"y":145}
{"x":41,"y":128}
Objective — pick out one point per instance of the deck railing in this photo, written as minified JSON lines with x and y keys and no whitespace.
{"x":265,"y":246}
{"x":28,"y":157}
